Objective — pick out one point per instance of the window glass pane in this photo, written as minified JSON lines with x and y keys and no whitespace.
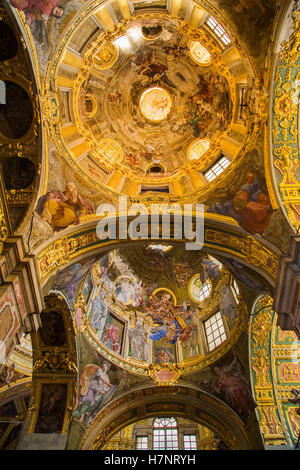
{"x":216,"y":333}
{"x":142,"y":442}
{"x":217,"y":169}
{"x":189,"y":442}
{"x":165,"y":435}
{"x":218,"y":30}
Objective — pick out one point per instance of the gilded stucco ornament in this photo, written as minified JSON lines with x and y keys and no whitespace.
{"x":164,"y":374}
{"x":4,"y":231}
{"x":285,"y":134}
{"x":56,"y":361}
{"x":290,"y":52}
{"x":268,"y":411}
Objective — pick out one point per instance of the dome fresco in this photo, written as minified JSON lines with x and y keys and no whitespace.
{"x":149,"y":91}
{"x":154,"y":310}
{"x":153,"y":111}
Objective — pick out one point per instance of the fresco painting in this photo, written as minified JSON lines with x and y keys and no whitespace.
{"x":45,"y":20}
{"x":191,"y":348}
{"x":138,"y":347}
{"x":52,"y":408}
{"x":163,"y":352}
{"x":112,"y":333}
{"x":68,"y":279}
{"x":97,"y":313}
{"x":162,"y":324}
{"x":124,"y":289}
{"x":63,"y":208}
{"x":9,"y":376}
{"x":95,"y":390}
{"x":250,"y":206}
{"x":38,"y":10}
{"x":228,"y":382}
{"x":98,"y":381}
{"x":87,"y":287}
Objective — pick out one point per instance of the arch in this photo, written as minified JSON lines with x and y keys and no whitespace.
{"x":221,"y":237}
{"x":180,"y":400}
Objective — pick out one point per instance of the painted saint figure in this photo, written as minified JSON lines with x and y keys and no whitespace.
{"x":228,"y":305}
{"x":234,"y":389}
{"x":250,"y":206}
{"x":61,"y":209}
{"x":137,"y":341}
{"x":110,"y":337}
{"x":94,"y":390}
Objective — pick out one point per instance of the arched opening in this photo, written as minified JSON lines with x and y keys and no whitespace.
{"x":173,"y":402}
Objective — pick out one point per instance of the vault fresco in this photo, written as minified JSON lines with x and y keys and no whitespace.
{"x":153,"y":312}
{"x":100,"y":144}
{"x":200,"y":107}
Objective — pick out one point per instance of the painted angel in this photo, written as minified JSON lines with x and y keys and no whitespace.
{"x":169,"y":332}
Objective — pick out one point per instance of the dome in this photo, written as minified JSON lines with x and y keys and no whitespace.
{"x":168,"y":308}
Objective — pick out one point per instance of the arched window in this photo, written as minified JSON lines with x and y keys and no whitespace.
{"x":199,"y":291}
{"x":235,"y":289}
{"x":165,"y":434}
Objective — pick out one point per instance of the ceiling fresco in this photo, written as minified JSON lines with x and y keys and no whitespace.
{"x":149,"y":110}
{"x":162,"y":102}
{"x":153,"y":103}
{"x":152,"y":311}
{"x":93,"y":86}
